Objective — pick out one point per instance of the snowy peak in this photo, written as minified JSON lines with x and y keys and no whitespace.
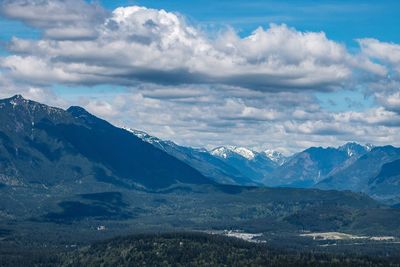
{"x":369,"y":147}
{"x":145,"y":136}
{"x":226,"y":151}
{"x":17,"y":99}
{"x":354,"y":149}
{"x":244,"y":152}
{"x":159,"y":143}
{"x":25,"y":110}
{"x":221,"y":152}
{"x":21,"y":102}
{"x":275,"y":156}
{"x":142,"y":135}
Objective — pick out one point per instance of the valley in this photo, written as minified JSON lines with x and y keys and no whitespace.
{"x":199,"y":133}
{"x":359,"y":168}
{"x":70,"y":179}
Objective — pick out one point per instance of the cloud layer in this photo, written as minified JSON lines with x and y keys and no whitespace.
{"x":182,"y":84}
{"x":60,"y":20}
{"x":136,"y":44}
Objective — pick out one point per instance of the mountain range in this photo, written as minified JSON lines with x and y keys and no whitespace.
{"x":70,"y":171}
{"x":352,"y":166}
{"x":41,"y":144}
{"x":376,"y":173}
{"x":225,"y":164}
{"x":200,"y":159}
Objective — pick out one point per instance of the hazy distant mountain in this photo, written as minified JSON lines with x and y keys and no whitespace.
{"x":275,"y":156}
{"x":243,"y":166}
{"x":200,"y":159}
{"x":355,"y":150}
{"x":375,"y":173}
{"x":341,"y":168}
{"x":69,"y":171}
{"x":386,"y":185}
{"x":226,"y":165}
{"x":250,"y":163}
{"x":314,"y":164}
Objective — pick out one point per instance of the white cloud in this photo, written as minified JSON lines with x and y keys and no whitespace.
{"x":8,"y":88}
{"x":35,"y":69}
{"x":264,"y":122}
{"x":140,"y":44}
{"x":373,"y":117}
{"x":72,"y":19}
{"x":390,"y":101}
{"x":388,"y":52}
{"x":254,"y":91}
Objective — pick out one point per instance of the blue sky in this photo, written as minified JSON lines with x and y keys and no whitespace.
{"x":341,"y":20}
{"x":318,"y":73}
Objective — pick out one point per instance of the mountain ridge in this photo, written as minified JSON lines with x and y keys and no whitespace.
{"x":200,"y":159}
{"x":348,"y":154}
{"x":72,"y":172}
{"x":45,"y":135}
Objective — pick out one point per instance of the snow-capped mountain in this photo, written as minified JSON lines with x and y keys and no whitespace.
{"x":222,"y":152}
{"x":200,"y":159}
{"x":46,"y":146}
{"x":226,"y":151}
{"x":314,"y":164}
{"x":252,"y":164}
{"x":275,"y":156}
{"x":244,"y":152}
{"x":157,"y":142}
{"x":327,"y":168}
{"x":226,"y":164}
{"x":376,"y":173}
{"x":354,"y":149}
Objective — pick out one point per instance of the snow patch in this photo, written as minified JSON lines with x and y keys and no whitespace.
{"x":275,"y":156}
{"x":226,"y":151}
{"x":244,"y":152}
{"x":221,"y":152}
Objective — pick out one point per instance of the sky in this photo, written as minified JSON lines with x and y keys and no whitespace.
{"x":283,"y":75}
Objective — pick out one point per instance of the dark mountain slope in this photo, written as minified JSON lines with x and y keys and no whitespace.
{"x":69,"y":172}
{"x":200,"y":159}
{"x":359,"y":175}
{"x":251,"y":164}
{"x":386,"y":185}
{"x":45,"y":145}
{"x":314,"y":164}
{"x":306,"y":168}
{"x":388,"y":170}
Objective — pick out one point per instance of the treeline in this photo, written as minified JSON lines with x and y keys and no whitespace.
{"x":23,"y":256}
{"x":193,"y":249}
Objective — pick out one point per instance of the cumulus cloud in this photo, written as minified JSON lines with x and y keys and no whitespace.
{"x":60,"y":19}
{"x":387,"y":55}
{"x":374,"y":117}
{"x":260,"y":123}
{"x":385,"y":90}
{"x":387,"y":52}
{"x":391,"y":101}
{"x":184,"y":85}
{"x":9,"y":87}
{"x":139,"y":44}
